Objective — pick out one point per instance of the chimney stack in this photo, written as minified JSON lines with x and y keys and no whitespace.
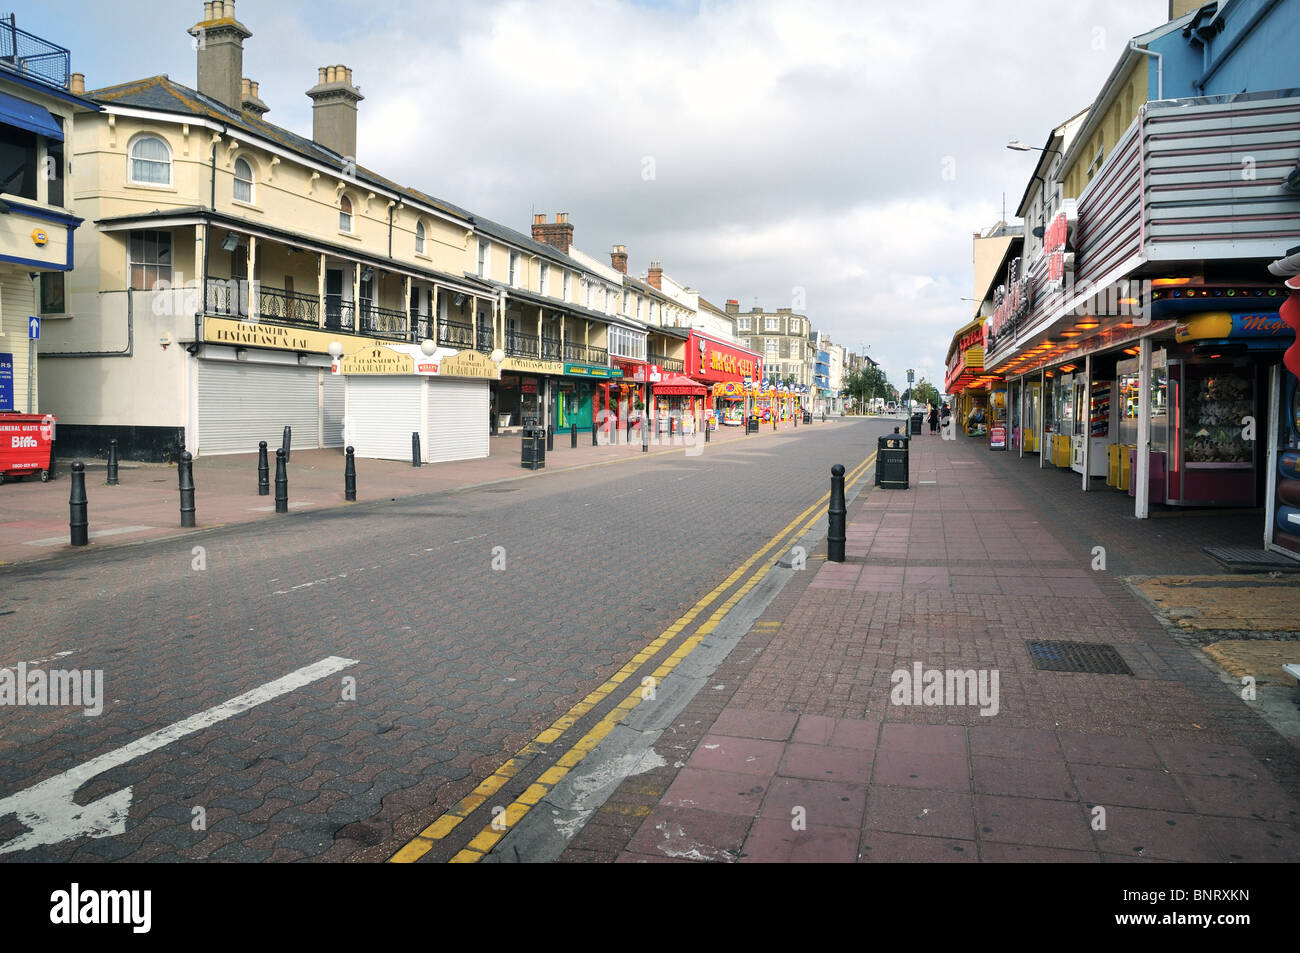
{"x":559,"y":234}
{"x":249,"y":101}
{"x":655,"y":276}
{"x":733,"y":306}
{"x":77,"y":84}
{"x":334,"y":110}
{"x":618,"y":258}
{"x":219,"y":39}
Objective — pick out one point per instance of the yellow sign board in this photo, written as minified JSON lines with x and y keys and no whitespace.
{"x":532,"y":366}
{"x":260,"y":334}
{"x":377,"y":360}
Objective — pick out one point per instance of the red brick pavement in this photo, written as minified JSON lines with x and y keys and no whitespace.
{"x":803,"y":756}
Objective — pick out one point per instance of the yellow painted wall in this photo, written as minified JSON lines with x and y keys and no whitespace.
{"x":1118,"y":117}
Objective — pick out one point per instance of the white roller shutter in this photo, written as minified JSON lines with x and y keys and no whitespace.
{"x":335,"y":401}
{"x":240,"y":404}
{"x":382,"y":413}
{"x":458,"y":420}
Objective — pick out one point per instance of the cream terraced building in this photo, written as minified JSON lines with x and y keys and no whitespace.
{"x":228,"y":260}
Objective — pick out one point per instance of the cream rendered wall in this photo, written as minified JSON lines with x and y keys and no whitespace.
{"x":17,"y":303}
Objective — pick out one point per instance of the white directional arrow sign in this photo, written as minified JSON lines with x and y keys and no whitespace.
{"x":34,"y":328}
{"x":48,"y":810}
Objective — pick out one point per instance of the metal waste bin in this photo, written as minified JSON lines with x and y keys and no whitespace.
{"x":751,"y":424}
{"x":532,"y":455}
{"x":807,"y":416}
{"x":891,"y":462}
{"x":916,"y":422}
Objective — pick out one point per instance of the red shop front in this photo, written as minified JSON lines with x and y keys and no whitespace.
{"x":723,"y":367}
{"x":623,"y":401}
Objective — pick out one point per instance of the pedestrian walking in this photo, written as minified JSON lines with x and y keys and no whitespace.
{"x":934,"y":418}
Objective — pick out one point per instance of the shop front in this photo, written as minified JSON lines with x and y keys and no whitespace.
{"x":574,"y":395}
{"x":678,"y":404}
{"x":395,"y":390}
{"x":726,"y":370}
{"x":525,"y":392}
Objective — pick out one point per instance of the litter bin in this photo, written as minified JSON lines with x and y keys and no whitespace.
{"x":807,"y":416}
{"x":891,"y":462}
{"x":751,"y":424}
{"x":916,"y":422}
{"x":532,"y":455}
{"x":26,"y":445}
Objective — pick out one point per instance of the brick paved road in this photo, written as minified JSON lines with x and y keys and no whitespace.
{"x":457,"y":665}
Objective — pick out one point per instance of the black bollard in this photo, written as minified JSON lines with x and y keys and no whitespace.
{"x":287,"y":442}
{"x":645,"y":435}
{"x":550,"y":436}
{"x":350,"y":477}
{"x":670,"y":428}
{"x":593,"y":431}
{"x":706,"y":429}
{"x":187,"y":489}
{"x":78,"y":524}
{"x":281,"y":483}
{"x":795,"y":416}
{"x":836,"y":515}
{"x":263,"y":471}
{"x":573,"y":435}
{"x":112,"y":463}
{"x":415,"y":448}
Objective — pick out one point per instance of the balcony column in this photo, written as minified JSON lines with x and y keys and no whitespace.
{"x":406,"y":306}
{"x":356,"y":298}
{"x":562,"y":354}
{"x":586,"y":334}
{"x":473,"y":321}
{"x":253,"y":303}
{"x":320,"y":290}
{"x":539,"y":333}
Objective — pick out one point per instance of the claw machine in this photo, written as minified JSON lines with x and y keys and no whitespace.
{"x":1212,"y":454}
{"x":1091,"y":423}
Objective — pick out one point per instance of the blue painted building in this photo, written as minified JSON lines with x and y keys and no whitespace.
{"x":37,"y":108}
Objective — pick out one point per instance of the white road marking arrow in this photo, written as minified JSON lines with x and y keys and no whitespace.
{"x":48,"y":810}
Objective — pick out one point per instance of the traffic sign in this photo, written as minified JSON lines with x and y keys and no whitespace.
{"x":34,"y":328}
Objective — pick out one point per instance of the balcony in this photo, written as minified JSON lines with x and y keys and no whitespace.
{"x":676,"y":365}
{"x":520,"y":344}
{"x":550,"y":348}
{"x":34,"y":58}
{"x":384,"y":323}
{"x":277,"y":306}
{"x":455,"y":334}
{"x":583,"y":354}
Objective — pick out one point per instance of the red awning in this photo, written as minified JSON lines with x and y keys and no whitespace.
{"x":675,"y":385}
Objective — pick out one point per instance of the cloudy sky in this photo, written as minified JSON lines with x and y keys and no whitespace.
{"x":842,"y":149}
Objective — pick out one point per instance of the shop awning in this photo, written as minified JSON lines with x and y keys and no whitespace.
{"x":676,"y":385}
{"x":29,"y":116}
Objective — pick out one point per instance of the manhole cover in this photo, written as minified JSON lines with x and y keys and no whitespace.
{"x":1077,"y":657}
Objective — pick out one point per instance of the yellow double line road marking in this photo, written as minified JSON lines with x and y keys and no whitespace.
{"x":423,"y":842}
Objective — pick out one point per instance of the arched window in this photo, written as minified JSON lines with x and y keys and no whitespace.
{"x":345,"y":214}
{"x":243,"y":181}
{"x":419,"y":238}
{"x":151,"y":161}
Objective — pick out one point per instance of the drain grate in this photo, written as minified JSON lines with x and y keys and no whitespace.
{"x":1251,"y":560}
{"x":1077,"y":657}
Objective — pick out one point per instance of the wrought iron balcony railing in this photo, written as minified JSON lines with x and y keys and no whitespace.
{"x":668,"y":363}
{"x":520,"y":344}
{"x":383,"y":322}
{"x":455,"y":334}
